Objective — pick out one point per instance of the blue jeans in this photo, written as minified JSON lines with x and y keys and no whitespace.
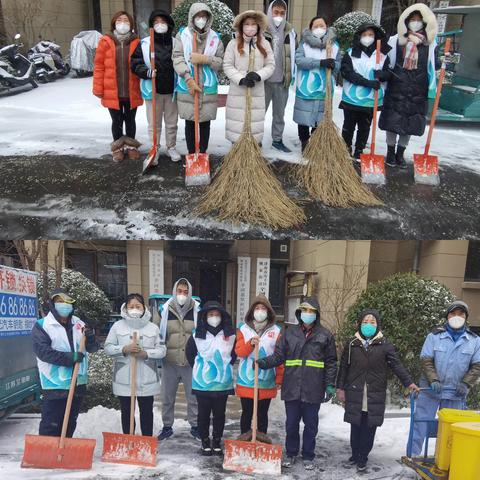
{"x":53,"y":411}
{"x":308,"y":412}
{"x":426,"y":408}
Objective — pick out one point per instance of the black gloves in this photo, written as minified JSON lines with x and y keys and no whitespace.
{"x":382,"y":75}
{"x":253,"y":76}
{"x":328,"y":63}
{"x":375,"y":84}
{"x":247,"y":82}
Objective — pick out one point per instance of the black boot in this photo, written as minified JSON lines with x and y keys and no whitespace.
{"x":217,"y":446}
{"x":356,"y":155}
{"x":400,"y":161}
{"x":391,"y":160}
{"x":206,"y":447}
{"x":304,"y":145}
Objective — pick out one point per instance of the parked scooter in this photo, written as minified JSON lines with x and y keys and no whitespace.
{"x":15,"y":69}
{"x":48,"y":61}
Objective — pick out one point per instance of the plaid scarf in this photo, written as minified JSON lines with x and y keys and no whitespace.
{"x":410,"y":52}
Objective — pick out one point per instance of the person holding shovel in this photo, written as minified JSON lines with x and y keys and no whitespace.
{"x":56,"y":340}
{"x":413,"y":61}
{"x":237,"y":65}
{"x":120,"y":345}
{"x":211,"y":353}
{"x":309,"y":353}
{"x":362,"y":384}
{"x":164,"y":76}
{"x":117,"y":88}
{"x":361,"y":79}
{"x":312,"y":63}
{"x":208,"y":58}
{"x":259,"y":328}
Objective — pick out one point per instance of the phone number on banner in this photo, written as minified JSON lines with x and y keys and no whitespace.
{"x":17,"y":314}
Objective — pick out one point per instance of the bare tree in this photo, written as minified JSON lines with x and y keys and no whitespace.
{"x":3,"y":32}
{"x":28,"y":258}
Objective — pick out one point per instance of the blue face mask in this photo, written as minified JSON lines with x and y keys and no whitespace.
{"x":308,"y":318}
{"x":64,"y":309}
{"x":368,"y":330}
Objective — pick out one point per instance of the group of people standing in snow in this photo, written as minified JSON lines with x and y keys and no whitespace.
{"x":199,"y":345}
{"x":405,"y":78}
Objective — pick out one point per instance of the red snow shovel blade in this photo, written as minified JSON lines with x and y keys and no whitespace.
{"x":151,"y":160}
{"x":426,"y":169}
{"x":42,"y":451}
{"x":129,"y":449}
{"x":373,"y":168}
{"x":197,"y":169}
{"x":252,"y":457}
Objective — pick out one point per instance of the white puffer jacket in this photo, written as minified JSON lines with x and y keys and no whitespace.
{"x":148,"y":336}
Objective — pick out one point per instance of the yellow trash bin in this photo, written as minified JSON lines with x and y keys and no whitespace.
{"x":465,"y":461}
{"x":443,"y":447}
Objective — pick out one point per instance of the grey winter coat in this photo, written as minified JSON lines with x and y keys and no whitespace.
{"x":208,"y":103}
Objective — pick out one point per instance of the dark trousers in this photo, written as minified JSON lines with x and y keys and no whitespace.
{"x":126,"y":116}
{"x":361,"y":121}
{"x":247,"y":414}
{"x":211,"y":406}
{"x":53,"y":411}
{"x":305,"y":132}
{"x":308,"y":412}
{"x":145,"y":405}
{"x":190,"y":135}
{"x":361,"y":439}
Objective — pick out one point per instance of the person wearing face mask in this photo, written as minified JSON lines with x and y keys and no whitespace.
{"x":178,"y":318}
{"x":211,"y":348}
{"x":282,"y":38}
{"x":208,"y":59}
{"x":164,"y":76}
{"x":361,"y":78}
{"x":56,"y":341}
{"x":249,"y":27}
{"x":362,"y":377}
{"x":308,"y":352}
{"x":260,"y":328}
{"x":147,"y":350}
{"x":413,"y":60}
{"x":450,"y":361}
{"x":312,"y":63}
{"x":117,"y":88}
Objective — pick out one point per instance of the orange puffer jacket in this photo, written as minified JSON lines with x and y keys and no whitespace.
{"x":105,"y":75}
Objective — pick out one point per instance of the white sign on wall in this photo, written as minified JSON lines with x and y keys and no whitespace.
{"x":377,"y":10}
{"x":442,"y":18}
{"x":243,"y":288}
{"x":155,"y":268}
{"x":263,"y":276}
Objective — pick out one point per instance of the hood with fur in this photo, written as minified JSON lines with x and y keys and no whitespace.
{"x":309,"y":38}
{"x":429,"y":22}
{"x":135,"y":323}
{"x":259,"y":17}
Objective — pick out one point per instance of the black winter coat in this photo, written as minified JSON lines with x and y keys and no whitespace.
{"x":358,"y":367}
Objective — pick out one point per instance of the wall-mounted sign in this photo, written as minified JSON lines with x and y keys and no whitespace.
{"x":263,"y":276}
{"x":156,"y":269}
{"x":243,"y":288}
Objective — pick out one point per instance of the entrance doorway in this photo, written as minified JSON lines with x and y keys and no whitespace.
{"x":142,"y":10}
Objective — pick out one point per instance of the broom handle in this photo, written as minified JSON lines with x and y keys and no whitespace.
{"x":154,"y":88}
{"x":328,"y":96}
{"x":196,"y":101}
{"x":437,"y":99}
{"x":133,"y":387}
{"x":375,"y":102}
{"x":248,"y":111}
{"x":255,"y":397}
{"x":71,"y":391}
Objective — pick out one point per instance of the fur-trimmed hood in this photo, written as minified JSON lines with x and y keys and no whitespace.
{"x":310,"y":39}
{"x":429,"y":23}
{"x":259,"y":17}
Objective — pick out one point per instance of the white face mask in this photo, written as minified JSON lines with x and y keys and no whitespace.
{"x":181,"y":299}
{"x":160,"y":27}
{"x":260,"y":315}
{"x":214,"y":321}
{"x":319,"y":32}
{"x":200,"y":22}
{"x":135,"y":312}
{"x":122,"y":28}
{"x":415,"y":25}
{"x":456,"y":322}
{"x":367,"y":41}
{"x":277,"y":21}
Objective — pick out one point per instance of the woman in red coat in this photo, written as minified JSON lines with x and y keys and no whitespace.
{"x":119,"y":89}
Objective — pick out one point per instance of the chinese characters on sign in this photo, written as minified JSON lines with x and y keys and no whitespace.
{"x":263,"y":276}
{"x":243,"y":292}
{"x":18,"y":301}
{"x":156,"y":272}
{"x":377,"y":10}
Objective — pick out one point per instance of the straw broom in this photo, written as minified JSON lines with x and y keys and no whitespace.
{"x":244,"y":188}
{"x":328,"y":175}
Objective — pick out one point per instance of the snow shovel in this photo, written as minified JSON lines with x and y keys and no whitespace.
{"x":153,"y":154}
{"x":197,"y":169}
{"x":253,"y":457}
{"x":43,"y":451}
{"x":373,"y":165}
{"x":425,"y":165}
{"x":130,"y":449}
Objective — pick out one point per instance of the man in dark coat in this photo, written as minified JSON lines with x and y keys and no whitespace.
{"x":310,"y":357}
{"x":362,"y":383}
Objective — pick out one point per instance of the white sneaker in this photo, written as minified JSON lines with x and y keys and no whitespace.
{"x":173,"y":154}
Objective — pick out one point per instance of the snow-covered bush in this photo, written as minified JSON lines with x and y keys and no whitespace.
{"x":92,"y":305}
{"x":347,"y":24}
{"x":410,"y":307}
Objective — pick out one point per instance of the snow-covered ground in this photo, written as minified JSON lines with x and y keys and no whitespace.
{"x":178,"y":457}
{"x":64,"y":117}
